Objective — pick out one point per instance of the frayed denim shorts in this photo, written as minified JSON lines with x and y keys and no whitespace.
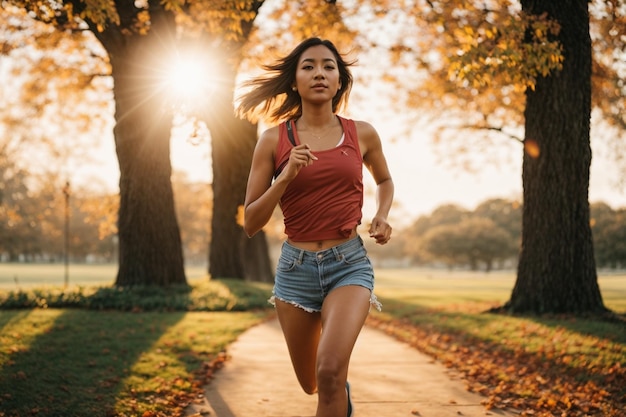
{"x":304,"y":278}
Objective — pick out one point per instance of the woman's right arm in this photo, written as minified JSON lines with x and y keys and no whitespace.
{"x":262,"y":195}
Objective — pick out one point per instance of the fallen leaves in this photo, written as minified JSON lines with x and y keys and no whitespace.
{"x":178,"y":394}
{"x":555,"y":379}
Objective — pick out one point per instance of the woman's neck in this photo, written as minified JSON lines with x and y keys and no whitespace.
{"x":314,"y":116}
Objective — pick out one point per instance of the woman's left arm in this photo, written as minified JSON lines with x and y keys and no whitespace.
{"x":375,"y":161}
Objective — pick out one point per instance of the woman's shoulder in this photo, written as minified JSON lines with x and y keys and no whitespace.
{"x":364,"y":129}
{"x":360,"y":125}
{"x":268,"y":140}
{"x":270,"y":135}
{"x":366,"y":134}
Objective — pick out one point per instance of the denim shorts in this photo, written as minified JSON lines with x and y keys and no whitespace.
{"x":304,"y":278}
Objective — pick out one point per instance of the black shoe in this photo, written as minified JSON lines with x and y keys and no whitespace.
{"x":350,"y":408}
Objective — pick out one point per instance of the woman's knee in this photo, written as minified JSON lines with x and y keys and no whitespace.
{"x":330,"y":372}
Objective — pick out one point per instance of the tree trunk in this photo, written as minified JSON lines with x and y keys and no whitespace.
{"x":256,"y":259}
{"x":150,"y":248}
{"x":556,"y":270}
{"x":232,"y":254}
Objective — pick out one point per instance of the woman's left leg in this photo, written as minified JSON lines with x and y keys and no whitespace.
{"x":343,"y":314}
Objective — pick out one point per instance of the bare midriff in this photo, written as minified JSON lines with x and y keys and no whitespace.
{"x":319,"y":245}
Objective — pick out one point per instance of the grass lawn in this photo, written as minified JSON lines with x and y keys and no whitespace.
{"x":18,"y":275}
{"x":66,"y":362}
{"x":543,"y":366}
{"x":152,"y":360}
{"x":433,"y":288}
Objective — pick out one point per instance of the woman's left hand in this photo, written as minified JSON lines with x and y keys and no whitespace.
{"x":380,"y":230}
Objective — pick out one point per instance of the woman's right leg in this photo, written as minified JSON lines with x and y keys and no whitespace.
{"x":302,"y":333}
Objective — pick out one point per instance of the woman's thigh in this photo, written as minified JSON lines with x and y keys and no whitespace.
{"x":302,"y":334}
{"x":343,"y":315}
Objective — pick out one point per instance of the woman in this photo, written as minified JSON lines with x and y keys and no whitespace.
{"x":312,"y":166}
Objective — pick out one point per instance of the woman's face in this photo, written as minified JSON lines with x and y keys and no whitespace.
{"x":317,"y":75}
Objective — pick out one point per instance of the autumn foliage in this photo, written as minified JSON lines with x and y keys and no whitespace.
{"x":539,"y":368}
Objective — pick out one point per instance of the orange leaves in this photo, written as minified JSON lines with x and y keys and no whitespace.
{"x":174,"y":395}
{"x":100,"y":210}
{"x":531,"y":147}
{"x":240,"y":215}
{"x":495,"y":50}
{"x":101,"y":12}
{"x":567,"y":374}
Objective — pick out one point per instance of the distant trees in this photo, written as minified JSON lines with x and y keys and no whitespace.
{"x":194,"y":206}
{"x":481,"y":239}
{"x":32,"y":223}
{"x":475,"y":241}
{"x":32,"y":220}
{"x":489,"y":236}
{"x":485,"y":238}
{"x":45,"y":76}
{"x":609,"y":235}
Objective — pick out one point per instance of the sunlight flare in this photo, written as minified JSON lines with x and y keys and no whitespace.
{"x":185,"y":77}
{"x":188,"y":80}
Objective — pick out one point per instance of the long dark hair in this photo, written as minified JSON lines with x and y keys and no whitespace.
{"x":273,"y":92}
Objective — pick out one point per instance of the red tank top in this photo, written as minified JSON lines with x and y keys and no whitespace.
{"x":325,"y":199}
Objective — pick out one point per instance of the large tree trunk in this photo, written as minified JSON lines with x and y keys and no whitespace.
{"x":150,"y":248}
{"x":232,"y":254}
{"x":556,"y":271}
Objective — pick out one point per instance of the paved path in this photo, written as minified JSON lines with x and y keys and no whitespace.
{"x":388,"y":379}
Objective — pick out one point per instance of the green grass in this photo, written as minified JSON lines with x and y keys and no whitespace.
{"x":427,"y":287}
{"x":543,"y":366}
{"x":114,"y":352}
{"x":87,"y":363}
{"x":206,"y":295}
{"x":478,"y":290}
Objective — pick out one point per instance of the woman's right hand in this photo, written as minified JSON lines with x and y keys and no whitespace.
{"x":300,"y":157}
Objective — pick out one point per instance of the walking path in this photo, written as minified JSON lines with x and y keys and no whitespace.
{"x":388,"y":379}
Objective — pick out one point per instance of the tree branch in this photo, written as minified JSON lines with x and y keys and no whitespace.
{"x":492,"y":128}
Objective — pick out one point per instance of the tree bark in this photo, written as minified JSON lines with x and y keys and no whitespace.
{"x":150,"y":248}
{"x":232,"y":254}
{"x":556,"y":270}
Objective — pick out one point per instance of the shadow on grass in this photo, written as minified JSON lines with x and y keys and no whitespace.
{"x":613,"y":329}
{"x":77,"y":354}
{"x":7,"y":319}
{"x":75,"y":361}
